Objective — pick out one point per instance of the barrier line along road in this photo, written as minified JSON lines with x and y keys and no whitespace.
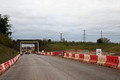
{"x":8,"y":64}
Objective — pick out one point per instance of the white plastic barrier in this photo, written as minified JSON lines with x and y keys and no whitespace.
{"x":10,"y":63}
{"x":86,"y":58}
{"x":44,"y":53}
{"x":48,"y":53}
{"x":3,"y":67}
{"x":65,"y":55}
{"x":52,"y":53}
{"x":119,"y":63}
{"x":76,"y":56}
{"x":102,"y":60}
{"x":70,"y":55}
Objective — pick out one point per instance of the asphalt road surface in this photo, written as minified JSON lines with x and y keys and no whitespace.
{"x":38,"y":67}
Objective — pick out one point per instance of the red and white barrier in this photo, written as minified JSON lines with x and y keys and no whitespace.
{"x":42,"y":53}
{"x":110,"y":61}
{"x":65,"y":55}
{"x":8,"y":64}
{"x":47,"y":53}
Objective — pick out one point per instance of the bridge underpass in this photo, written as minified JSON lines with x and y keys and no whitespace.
{"x":30,"y":47}
{"x":39,"y":67}
{"x":28,"y":42}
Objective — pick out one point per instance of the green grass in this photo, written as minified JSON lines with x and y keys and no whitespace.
{"x":106,"y":47}
{"x":6,"y":53}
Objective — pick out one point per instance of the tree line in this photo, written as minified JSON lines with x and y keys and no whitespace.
{"x":5,"y":27}
{"x":5,"y":32}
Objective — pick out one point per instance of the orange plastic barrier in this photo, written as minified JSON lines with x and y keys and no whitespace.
{"x":81,"y":57}
{"x":112,"y":61}
{"x":93,"y":59}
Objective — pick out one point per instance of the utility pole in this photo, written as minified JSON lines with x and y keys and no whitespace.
{"x":84,"y":34}
{"x":61,"y":37}
{"x":101,"y":34}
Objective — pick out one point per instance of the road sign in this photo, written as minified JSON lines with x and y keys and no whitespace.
{"x":98,"y":51}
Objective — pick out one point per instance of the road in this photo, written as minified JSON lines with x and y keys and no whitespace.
{"x":39,"y":67}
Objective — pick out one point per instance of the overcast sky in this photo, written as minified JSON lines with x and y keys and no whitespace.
{"x":38,"y":19}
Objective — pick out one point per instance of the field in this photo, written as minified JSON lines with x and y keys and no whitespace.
{"x":106,"y":47}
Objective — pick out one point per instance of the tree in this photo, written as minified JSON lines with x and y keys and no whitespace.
{"x":103,"y":40}
{"x":106,"y":40}
{"x":49,"y":40}
{"x":5,"y":27}
{"x":73,"y":41}
{"x":100,"y":40}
